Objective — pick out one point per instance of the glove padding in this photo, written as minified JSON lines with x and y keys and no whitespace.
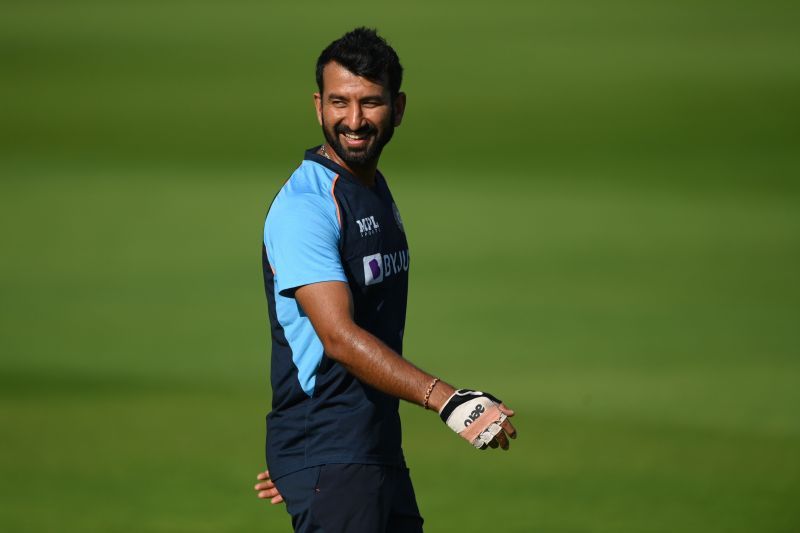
{"x":474,"y":415}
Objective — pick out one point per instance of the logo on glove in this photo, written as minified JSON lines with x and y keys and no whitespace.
{"x":474,"y":415}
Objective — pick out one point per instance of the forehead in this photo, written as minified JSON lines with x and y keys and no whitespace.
{"x":338,"y":80}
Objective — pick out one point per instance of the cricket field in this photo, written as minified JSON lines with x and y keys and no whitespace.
{"x":602,"y":202}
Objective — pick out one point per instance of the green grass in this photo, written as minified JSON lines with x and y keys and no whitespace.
{"x":604,"y":216}
{"x":652,"y":362}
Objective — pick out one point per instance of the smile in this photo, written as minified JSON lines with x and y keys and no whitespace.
{"x":354,"y":136}
{"x":356,"y":140}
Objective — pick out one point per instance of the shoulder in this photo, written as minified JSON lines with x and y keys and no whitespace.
{"x":307,"y":196}
{"x":309,"y":183}
{"x":310,"y":178}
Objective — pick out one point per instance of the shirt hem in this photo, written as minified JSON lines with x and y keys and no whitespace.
{"x":277,"y":473}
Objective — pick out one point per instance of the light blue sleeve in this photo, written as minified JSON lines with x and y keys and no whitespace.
{"x":301,"y":235}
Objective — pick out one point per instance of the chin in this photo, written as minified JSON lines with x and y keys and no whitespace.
{"x":361,"y":157}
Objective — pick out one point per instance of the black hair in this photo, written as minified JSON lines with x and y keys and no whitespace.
{"x":364,"y":53}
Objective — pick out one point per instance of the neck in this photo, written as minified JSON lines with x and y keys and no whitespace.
{"x":364,"y":173}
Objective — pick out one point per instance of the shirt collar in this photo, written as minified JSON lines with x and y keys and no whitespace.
{"x":312,"y":155}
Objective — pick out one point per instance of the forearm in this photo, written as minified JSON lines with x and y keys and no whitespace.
{"x":476,"y":416}
{"x":373,"y":362}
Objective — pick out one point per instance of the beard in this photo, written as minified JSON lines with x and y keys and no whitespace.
{"x":366,"y":156}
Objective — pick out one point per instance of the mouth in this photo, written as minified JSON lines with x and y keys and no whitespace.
{"x":355,"y":139}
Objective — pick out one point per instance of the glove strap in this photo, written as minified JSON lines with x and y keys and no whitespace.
{"x":473,"y":431}
{"x":466,"y":395}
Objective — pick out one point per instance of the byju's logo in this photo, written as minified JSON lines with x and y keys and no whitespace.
{"x":368,"y":226}
{"x":373,"y":269}
{"x":377,"y":267}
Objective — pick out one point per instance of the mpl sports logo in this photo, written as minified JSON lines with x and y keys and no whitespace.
{"x":368,"y":226}
{"x":378,"y":267}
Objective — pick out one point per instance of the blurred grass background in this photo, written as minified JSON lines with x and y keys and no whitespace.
{"x":601,"y":199}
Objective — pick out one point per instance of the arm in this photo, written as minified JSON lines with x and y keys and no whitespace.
{"x":329,"y":307}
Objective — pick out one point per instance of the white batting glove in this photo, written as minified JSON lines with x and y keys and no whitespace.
{"x":474,"y":415}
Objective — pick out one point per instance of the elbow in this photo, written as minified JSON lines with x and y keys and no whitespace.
{"x":337,"y":344}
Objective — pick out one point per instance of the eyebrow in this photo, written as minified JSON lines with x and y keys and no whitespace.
{"x":334,"y":96}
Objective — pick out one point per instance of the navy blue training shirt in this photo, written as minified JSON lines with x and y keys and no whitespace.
{"x":324,"y":225}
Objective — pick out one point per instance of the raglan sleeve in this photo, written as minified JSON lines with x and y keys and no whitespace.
{"x":301,"y":235}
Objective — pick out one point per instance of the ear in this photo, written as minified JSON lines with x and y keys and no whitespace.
{"x":399,"y":108}
{"x":318,"y":106}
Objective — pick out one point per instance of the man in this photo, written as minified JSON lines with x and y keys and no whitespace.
{"x":336,"y":263}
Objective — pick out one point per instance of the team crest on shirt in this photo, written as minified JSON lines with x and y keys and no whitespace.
{"x":368,"y":226}
{"x":397,"y":217}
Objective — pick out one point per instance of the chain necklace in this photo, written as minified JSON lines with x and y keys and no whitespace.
{"x":325,"y":153}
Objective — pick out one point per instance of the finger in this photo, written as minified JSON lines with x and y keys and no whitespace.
{"x":493,"y":443}
{"x":509,"y":428}
{"x":502,"y":440}
{"x":271,"y":493}
{"x":276,"y":499}
{"x":505,"y":410}
{"x":263,"y":475}
{"x":264,"y":486}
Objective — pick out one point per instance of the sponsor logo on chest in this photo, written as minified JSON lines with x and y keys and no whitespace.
{"x":378,"y":267}
{"x":368,"y":226}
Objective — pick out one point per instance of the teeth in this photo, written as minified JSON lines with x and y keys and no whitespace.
{"x":354,"y":137}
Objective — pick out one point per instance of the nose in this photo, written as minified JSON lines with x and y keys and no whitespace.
{"x":355,"y":117}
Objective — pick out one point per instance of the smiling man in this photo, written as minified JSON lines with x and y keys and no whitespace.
{"x":336,"y":264}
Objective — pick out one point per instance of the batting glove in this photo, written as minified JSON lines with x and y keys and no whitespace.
{"x":474,"y":415}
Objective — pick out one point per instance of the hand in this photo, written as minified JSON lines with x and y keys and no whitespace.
{"x":480,"y":418}
{"x":266,"y":490}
